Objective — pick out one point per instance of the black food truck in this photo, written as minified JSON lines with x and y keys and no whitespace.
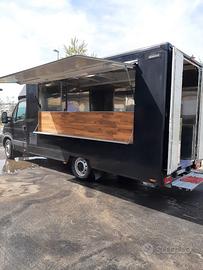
{"x":137,"y":114}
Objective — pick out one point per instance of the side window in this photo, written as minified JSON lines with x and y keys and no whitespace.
{"x":20,"y":112}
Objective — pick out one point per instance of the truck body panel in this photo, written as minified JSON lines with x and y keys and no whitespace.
{"x":161,"y":116}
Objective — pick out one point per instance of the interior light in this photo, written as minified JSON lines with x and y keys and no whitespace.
{"x":90,"y":75}
{"x":48,"y":84}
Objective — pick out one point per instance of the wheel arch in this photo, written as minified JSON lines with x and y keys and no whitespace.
{"x":5,"y":138}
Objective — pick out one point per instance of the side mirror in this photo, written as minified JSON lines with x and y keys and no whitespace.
{"x":4,"y":118}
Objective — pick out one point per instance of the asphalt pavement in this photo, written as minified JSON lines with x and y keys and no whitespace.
{"x":49,"y":220}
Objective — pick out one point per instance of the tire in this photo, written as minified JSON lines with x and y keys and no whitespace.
{"x":81,"y":168}
{"x":9,"y":152}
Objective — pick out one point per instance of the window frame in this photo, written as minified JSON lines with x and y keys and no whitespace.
{"x":66,"y":88}
{"x":15,"y":112}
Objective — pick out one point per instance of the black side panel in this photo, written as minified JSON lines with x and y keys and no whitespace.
{"x":150,"y":111}
{"x":101,"y":99}
{"x":32,"y":112}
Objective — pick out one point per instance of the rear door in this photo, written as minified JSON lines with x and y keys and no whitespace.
{"x":175,"y":112}
{"x":199,"y":153}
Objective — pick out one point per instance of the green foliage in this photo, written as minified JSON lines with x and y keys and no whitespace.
{"x":76,"y":47}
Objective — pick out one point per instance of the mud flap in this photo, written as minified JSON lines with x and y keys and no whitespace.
{"x":189,"y":181}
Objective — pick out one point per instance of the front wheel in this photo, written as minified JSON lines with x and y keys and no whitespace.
{"x":9,"y":151}
{"x":82,"y":169}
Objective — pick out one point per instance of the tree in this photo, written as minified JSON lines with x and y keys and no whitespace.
{"x":76,"y":47}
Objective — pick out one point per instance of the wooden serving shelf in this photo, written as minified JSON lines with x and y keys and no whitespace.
{"x":104,"y":126}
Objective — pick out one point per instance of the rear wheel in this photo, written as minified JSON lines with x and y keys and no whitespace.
{"x":9,"y":151}
{"x":81,"y":168}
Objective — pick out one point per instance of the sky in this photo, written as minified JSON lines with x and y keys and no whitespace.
{"x":31,"y":29}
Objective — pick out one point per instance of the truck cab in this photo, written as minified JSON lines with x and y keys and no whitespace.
{"x":14,"y":130}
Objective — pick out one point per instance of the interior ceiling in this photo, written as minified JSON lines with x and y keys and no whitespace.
{"x":189,"y":65}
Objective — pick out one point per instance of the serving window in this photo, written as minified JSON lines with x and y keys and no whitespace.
{"x":123,"y":100}
{"x":108,"y":91}
{"x":52,"y":97}
{"x":95,"y":107}
{"x":77,"y":101}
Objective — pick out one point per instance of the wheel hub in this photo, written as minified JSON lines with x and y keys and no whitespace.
{"x":81,"y":167}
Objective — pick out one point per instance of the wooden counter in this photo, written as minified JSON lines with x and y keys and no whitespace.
{"x":105,"y":126}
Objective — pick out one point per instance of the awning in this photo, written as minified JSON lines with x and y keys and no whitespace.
{"x":70,"y":67}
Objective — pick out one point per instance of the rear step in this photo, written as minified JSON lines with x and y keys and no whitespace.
{"x":189,"y":181}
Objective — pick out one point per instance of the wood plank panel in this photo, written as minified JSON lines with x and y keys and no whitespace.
{"x":108,"y":126}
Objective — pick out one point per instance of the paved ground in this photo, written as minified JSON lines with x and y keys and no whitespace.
{"x":48,"y":220}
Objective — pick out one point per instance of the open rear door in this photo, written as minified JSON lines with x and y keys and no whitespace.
{"x":199,"y":153}
{"x":175,"y":112}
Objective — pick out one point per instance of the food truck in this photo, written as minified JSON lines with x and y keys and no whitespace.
{"x":138,"y":114}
